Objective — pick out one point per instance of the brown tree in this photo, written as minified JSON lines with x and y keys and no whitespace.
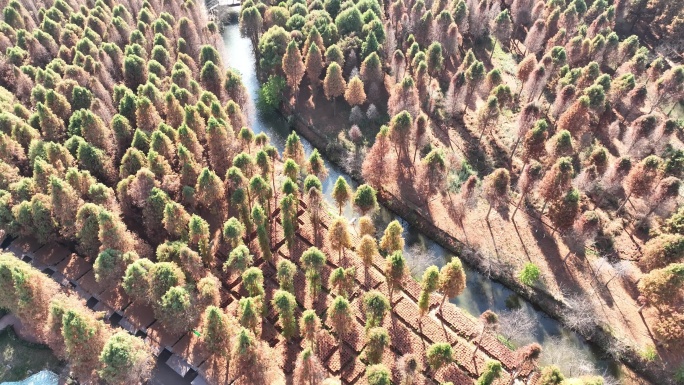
{"x":334,"y":84}
{"x":293,"y":66}
{"x":355,"y":95}
{"x":495,"y":188}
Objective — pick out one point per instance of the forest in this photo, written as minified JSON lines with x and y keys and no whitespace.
{"x":552,"y":129}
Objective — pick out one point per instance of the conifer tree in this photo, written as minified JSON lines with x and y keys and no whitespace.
{"x":285,"y":304}
{"x":218,"y":331}
{"x":341,"y":193}
{"x":377,"y":340}
{"x":84,"y":339}
{"x":429,"y":283}
{"x":395,"y":267}
{"x":253,"y":282}
{"x":339,"y":236}
{"x":495,"y":187}
{"x":309,"y":327}
{"x":176,"y":220}
{"x":334,"y":84}
{"x":125,"y":359}
{"x":198,"y":237}
{"x":375,"y":305}
{"x":313,"y":260}
{"x":293,"y":66}
{"x":367,"y":251}
{"x":136,"y":280}
{"x":285,"y":273}
{"x":210,"y":191}
{"x":174,"y":310}
{"x":355,"y":94}
{"x":491,"y":373}
{"x":392,"y":239}
{"x":452,"y":280}
{"x":342,"y":281}
{"x":438,"y":355}
{"x":314,"y":65}
{"x":239,"y":259}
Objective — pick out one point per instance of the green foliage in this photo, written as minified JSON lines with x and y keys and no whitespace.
{"x":349,"y":21}
{"x":438,"y":355}
{"x":376,"y":306}
{"x":529,"y":274}
{"x":378,"y":375}
{"x":125,"y":359}
{"x":253,"y":281}
{"x":491,"y":372}
{"x":551,"y":375}
{"x":271,"y":94}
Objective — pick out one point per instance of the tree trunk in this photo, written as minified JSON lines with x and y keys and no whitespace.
{"x":488,"y":212}
{"x":520,"y":201}
{"x":441,"y":304}
{"x":492,"y":53}
{"x":515,"y":146}
{"x":624,"y":203}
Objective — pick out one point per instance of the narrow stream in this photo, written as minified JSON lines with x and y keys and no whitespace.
{"x":481,"y":293}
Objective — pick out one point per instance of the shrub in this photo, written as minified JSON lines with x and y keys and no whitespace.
{"x":529,"y":274}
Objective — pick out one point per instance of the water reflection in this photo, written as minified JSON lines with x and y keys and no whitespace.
{"x":480,"y":294}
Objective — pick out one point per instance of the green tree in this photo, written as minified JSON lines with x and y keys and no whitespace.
{"x":313,"y":261}
{"x":198,"y":236}
{"x":491,"y":373}
{"x":342,"y":281}
{"x":365,"y":200}
{"x":395,"y":267}
{"x":286,"y":272}
{"x":392,"y":240}
{"x":136,"y":281}
{"x":285,"y":304}
{"x":375,"y":305}
{"x":253,"y":281}
{"x":218,"y":331}
{"x":125,"y":359}
{"x":239,"y":259}
{"x":174,"y":310}
{"x":378,"y":375}
{"x":551,"y":375}
{"x":339,"y":314}
{"x":341,"y":193}
{"x":439,"y":355}
{"x":272,"y":47}
{"x":429,"y":283}
{"x":452,"y":280}
{"x":259,"y":217}
{"x":377,"y":340}
{"x":84,"y":339}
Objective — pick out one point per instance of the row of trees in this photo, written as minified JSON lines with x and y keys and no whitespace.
{"x":74,"y":332}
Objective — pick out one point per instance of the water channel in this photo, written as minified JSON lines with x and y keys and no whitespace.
{"x":481,"y":293}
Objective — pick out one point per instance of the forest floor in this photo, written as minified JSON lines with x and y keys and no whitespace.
{"x":20,"y":357}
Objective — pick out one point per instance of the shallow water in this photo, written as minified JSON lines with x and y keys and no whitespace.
{"x":44,"y":377}
{"x":481,"y":293}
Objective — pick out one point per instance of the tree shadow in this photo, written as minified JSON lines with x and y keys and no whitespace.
{"x":517,"y":231}
{"x":547,"y":244}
